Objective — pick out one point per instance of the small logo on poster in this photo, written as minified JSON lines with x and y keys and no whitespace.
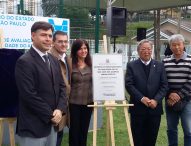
{"x":63,"y":27}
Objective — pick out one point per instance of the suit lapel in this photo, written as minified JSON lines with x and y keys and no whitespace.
{"x":53,"y":70}
{"x":55,"y":53}
{"x":69,"y":65}
{"x":39,"y":60}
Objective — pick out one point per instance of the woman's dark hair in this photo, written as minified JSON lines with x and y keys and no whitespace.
{"x":76,"y":45}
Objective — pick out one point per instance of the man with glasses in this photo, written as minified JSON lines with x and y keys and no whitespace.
{"x":146,"y":83}
{"x":59,"y":49}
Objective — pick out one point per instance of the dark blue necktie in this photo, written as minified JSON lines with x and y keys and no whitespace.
{"x":47,"y":61}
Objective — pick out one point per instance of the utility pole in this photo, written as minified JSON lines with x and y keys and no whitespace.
{"x":21,"y":7}
{"x":61,"y":9}
{"x":158,"y":46}
{"x":97,"y":26}
{"x":179,"y":21}
{"x":18,"y":7}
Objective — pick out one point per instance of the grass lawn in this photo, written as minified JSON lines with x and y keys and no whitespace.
{"x":121,"y":135}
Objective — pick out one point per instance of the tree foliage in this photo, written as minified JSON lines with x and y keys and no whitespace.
{"x":78,"y":16}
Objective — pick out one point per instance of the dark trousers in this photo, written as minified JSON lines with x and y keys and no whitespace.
{"x":145,"y":129}
{"x":59,"y":138}
{"x":80,"y":116}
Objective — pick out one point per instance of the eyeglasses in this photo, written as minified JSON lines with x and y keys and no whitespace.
{"x":62,"y":42}
{"x":145,"y":49}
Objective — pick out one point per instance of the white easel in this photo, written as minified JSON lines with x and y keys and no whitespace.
{"x":110,"y":106}
{"x":101,"y":66}
{"x":10,"y":122}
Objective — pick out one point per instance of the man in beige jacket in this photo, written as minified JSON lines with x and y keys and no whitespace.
{"x":59,"y":49}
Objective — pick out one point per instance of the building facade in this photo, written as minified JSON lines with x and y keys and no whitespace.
{"x":25,"y":7}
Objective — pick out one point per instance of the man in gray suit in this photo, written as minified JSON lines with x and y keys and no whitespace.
{"x":42,"y":99}
{"x":146,"y":83}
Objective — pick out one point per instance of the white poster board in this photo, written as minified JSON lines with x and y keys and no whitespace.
{"x":16,"y":29}
{"x":108,"y":77}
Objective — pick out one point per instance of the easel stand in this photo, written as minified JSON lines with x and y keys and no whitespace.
{"x":110,"y":106}
{"x":10,"y":122}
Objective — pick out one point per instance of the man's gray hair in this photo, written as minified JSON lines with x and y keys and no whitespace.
{"x":142,"y":42}
{"x":176,"y":38}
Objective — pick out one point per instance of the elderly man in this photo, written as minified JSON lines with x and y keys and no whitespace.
{"x":178,"y":70}
{"x":146,"y":83}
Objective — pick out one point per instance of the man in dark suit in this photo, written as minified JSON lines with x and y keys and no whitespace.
{"x":59,"y":49}
{"x":42,"y":99}
{"x":146,"y":83}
